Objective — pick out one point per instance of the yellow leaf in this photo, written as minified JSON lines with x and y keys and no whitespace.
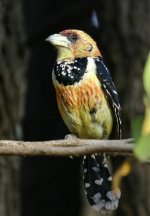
{"x":122,"y":171}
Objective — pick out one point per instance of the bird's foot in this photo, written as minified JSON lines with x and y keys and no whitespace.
{"x":70,"y":136}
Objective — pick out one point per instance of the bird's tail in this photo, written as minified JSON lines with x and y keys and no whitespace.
{"x":97,"y":183}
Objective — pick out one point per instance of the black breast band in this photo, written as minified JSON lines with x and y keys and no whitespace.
{"x":67,"y":73}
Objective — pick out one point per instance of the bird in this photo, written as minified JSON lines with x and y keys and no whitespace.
{"x":89,"y":105}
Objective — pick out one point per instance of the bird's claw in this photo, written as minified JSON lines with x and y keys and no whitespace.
{"x":70,"y":136}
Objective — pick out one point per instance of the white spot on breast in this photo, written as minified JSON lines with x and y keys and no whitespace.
{"x":63,"y":73}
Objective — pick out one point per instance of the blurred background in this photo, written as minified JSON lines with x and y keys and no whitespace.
{"x":45,"y":186}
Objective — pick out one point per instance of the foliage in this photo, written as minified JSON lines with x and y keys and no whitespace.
{"x":141,"y":133}
{"x":141,"y":126}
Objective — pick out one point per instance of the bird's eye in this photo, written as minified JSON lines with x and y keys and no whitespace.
{"x":73,"y":37}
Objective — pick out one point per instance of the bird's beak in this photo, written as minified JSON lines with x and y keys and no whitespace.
{"x":58,"y":40}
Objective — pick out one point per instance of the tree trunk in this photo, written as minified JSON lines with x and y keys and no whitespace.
{"x":12,"y":89}
{"x":125,"y":40}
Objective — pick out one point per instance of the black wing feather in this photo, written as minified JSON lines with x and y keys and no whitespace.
{"x":109,"y":89}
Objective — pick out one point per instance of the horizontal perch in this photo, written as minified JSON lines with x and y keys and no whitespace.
{"x":66,"y":147}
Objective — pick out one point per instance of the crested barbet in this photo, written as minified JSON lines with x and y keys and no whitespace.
{"x":89,"y":105}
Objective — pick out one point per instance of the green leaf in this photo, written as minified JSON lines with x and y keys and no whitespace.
{"x":142,"y":149}
{"x":137,"y":127}
{"x":146,"y":76}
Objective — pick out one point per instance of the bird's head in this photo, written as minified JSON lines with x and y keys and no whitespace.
{"x":74,"y":44}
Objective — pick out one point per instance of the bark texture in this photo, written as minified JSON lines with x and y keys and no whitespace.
{"x":12,"y":88}
{"x":125,"y":40}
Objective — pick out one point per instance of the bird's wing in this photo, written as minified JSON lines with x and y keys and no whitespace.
{"x":109,"y":89}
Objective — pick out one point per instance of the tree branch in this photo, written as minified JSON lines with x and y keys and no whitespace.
{"x":66,"y":147}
